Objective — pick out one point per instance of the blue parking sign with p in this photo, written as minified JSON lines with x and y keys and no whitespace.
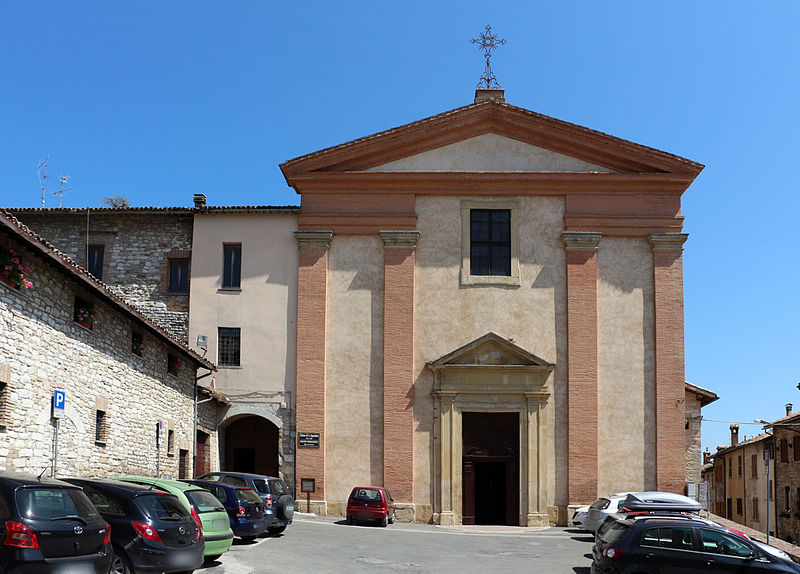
{"x":59,"y":402}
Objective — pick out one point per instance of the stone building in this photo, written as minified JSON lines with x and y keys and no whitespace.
{"x":161,"y":259}
{"x":741,"y":482}
{"x":696,"y":398}
{"x":130,"y":386}
{"x":142,"y":254}
{"x":490,"y":298}
{"x":786,"y":432}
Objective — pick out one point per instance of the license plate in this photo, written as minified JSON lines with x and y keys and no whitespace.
{"x":184,"y":558}
{"x":76,"y":569}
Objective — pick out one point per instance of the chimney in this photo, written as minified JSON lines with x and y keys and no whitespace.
{"x":199,"y":200}
{"x":788,"y":409}
{"x":734,"y":435}
{"x":486,"y":94}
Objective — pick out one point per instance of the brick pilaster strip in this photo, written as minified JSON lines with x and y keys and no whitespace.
{"x":398,"y":363}
{"x":670,"y":375}
{"x":312,"y":278}
{"x":581,"y":248}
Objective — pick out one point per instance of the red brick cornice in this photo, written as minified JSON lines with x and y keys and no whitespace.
{"x":460,"y":183}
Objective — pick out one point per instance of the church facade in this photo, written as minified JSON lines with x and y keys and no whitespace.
{"x":489,"y":308}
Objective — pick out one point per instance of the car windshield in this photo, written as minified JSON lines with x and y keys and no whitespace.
{"x":599,"y":503}
{"x":55,"y":503}
{"x":247,"y":496}
{"x":204,"y":501}
{"x":161,"y":506}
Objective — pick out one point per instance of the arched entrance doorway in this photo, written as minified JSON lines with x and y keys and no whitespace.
{"x":251,"y":445}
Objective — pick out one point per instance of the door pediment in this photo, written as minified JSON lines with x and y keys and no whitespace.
{"x":490,"y":364}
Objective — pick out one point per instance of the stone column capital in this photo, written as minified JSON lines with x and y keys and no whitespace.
{"x":585,"y":240}
{"x":668,"y":241}
{"x":313,"y":238}
{"x":406,"y":239}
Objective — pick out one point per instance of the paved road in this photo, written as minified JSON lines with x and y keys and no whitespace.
{"x":319,"y":544}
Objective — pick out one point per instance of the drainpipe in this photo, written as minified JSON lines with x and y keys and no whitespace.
{"x":194,"y":428}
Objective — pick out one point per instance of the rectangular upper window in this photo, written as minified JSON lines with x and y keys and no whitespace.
{"x":178,"y":275}
{"x":232,"y":265}
{"x":489,"y":242}
{"x":229,"y":346}
{"x":95,"y":255}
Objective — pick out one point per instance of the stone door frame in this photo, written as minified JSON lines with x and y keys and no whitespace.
{"x":511,"y":380}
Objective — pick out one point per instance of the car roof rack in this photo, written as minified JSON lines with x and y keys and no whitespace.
{"x":660,"y":502}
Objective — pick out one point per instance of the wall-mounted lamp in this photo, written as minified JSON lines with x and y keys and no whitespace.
{"x":202,"y":341}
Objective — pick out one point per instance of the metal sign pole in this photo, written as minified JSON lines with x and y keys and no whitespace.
{"x":55,"y":449}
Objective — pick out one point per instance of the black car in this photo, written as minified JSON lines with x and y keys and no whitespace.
{"x":151,"y":531}
{"x":245,"y":508}
{"x":279,"y":504}
{"x":50,"y":526}
{"x":658,"y":543}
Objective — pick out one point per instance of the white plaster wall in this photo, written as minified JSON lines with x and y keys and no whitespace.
{"x":354,"y":369}
{"x":490,"y":152}
{"x":265,"y":309}
{"x":626,"y":375}
{"x":448,"y":315}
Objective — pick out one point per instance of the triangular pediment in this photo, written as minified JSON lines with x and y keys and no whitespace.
{"x":490,"y":153}
{"x":528,"y":140}
{"x":490,"y":350}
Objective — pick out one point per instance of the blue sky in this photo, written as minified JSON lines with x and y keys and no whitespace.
{"x":156,"y":101}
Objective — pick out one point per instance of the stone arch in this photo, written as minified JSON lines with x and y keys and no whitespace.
{"x":250,"y":443}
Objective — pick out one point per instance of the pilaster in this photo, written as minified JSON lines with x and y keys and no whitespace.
{"x":398,"y":363}
{"x":312,"y":278}
{"x":581,"y":257}
{"x":670,"y":371}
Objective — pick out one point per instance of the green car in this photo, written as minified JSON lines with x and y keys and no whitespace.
{"x":203,"y":505}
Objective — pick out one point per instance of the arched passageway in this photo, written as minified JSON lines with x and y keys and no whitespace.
{"x":251,"y":445}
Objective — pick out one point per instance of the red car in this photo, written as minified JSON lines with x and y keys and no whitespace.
{"x":370,"y":503}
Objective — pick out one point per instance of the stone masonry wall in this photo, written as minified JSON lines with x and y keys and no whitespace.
{"x":787,"y":474}
{"x":693,"y":446}
{"x":42,"y":348}
{"x":138,"y":247}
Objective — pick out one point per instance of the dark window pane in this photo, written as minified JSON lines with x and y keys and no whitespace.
{"x":95,"y":263}
{"x":229,"y":346}
{"x":232,"y":271}
{"x":179,"y":276}
{"x":490,"y":242}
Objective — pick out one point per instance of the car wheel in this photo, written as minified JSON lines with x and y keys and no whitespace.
{"x":120,"y":564}
{"x":393,"y":518}
{"x":384,"y":520}
{"x":276,"y":529}
{"x":349,"y":520}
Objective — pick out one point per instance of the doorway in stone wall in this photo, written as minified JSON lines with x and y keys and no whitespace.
{"x":251,"y":445}
{"x":490,"y":468}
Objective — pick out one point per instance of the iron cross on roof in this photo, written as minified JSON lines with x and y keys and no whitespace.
{"x":488,"y":42}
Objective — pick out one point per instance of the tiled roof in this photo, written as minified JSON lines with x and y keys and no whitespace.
{"x":694,"y":166}
{"x":753,"y":440}
{"x":159,"y":210}
{"x":69,"y":266}
{"x":708,"y":397}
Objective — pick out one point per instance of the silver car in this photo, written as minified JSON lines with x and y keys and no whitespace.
{"x":601,"y":508}
{"x":579,"y":516}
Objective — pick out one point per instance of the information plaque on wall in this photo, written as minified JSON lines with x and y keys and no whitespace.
{"x":308,"y":439}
